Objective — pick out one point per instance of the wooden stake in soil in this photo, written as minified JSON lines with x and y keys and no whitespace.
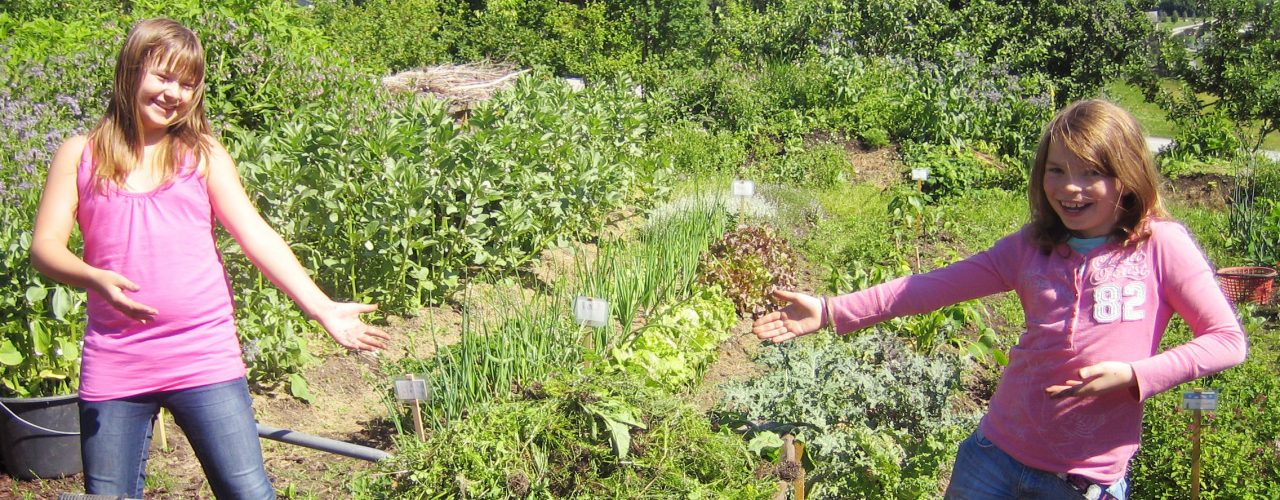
{"x":414,"y":390}
{"x":1197,"y":401}
{"x":164,"y":439}
{"x":417,"y":414}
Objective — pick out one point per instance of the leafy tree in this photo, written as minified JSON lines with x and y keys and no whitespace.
{"x":1078,"y":44}
{"x":664,"y":27}
{"x":1235,"y":62}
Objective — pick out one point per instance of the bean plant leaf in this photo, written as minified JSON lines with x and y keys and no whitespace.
{"x":36,"y":294}
{"x":298,"y":388}
{"x":61,"y":303}
{"x":9,"y":353}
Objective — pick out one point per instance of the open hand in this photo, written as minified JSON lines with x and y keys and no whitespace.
{"x":342,"y":321}
{"x":801,"y":316}
{"x":111,"y":286}
{"x":1096,"y":379}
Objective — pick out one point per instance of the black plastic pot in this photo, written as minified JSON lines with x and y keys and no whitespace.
{"x":40,"y":437}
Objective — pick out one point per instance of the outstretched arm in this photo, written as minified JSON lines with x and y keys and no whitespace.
{"x":269,"y":252}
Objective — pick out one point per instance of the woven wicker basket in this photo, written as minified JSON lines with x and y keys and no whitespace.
{"x":1247,"y":284}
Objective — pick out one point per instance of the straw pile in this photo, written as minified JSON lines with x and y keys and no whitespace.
{"x":462,"y":85}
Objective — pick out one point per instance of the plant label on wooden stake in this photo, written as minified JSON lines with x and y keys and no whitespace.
{"x":743,"y":188}
{"x":413,"y":389}
{"x":919,"y":175}
{"x":590,"y":311}
{"x":1198,"y":401}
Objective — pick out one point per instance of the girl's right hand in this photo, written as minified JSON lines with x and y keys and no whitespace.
{"x":801,"y":316}
{"x":111,"y":286}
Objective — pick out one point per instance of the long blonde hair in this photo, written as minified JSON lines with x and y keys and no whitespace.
{"x":1107,"y":138}
{"x":117,"y":140}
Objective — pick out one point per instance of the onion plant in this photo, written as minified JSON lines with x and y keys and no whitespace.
{"x":529,"y":340}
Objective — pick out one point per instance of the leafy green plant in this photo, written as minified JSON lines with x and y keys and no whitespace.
{"x":876,"y":417}
{"x":1240,"y":455}
{"x":392,"y":35}
{"x":747,"y":264}
{"x":42,"y":103}
{"x":821,"y":165}
{"x":588,"y":435}
{"x":1253,"y":218}
{"x":952,"y":171}
{"x":678,"y":342}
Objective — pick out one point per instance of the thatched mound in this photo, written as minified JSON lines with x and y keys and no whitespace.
{"x":462,"y":85}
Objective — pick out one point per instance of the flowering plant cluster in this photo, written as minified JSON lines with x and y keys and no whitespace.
{"x":42,"y":103}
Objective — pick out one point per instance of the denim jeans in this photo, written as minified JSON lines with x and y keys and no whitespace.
{"x":983,"y":471}
{"x":115,"y":437}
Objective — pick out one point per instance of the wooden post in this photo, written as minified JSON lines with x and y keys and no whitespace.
{"x":417,"y":415}
{"x":1195,"y":457}
{"x":164,"y":439}
{"x":799,"y":482}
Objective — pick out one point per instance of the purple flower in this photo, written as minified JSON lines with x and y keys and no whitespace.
{"x":70,"y":103}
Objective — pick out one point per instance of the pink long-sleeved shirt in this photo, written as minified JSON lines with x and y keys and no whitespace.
{"x":1112,"y":304}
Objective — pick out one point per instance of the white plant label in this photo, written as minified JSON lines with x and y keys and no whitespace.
{"x":1200,"y":400}
{"x":411,"y":389}
{"x":590,"y":311}
{"x":743,"y":188}
{"x":919,"y":174}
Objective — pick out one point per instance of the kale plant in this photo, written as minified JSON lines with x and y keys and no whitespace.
{"x":877,"y":416}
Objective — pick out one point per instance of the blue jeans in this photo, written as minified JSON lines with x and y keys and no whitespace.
{"x":115,"y":437}
{"x":983,"y":471}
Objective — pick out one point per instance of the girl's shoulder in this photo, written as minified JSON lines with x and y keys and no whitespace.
{"x":70,"y":153}
{"x":74,"y":144}
{"x":1164,"y":230}
{"x":209,"y":152}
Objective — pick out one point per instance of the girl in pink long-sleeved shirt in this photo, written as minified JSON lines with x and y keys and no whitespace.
{"x":1100,"y":269}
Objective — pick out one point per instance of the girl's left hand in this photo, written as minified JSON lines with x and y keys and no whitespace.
{"x":1097,"y":379}
{"x":342,"y":321}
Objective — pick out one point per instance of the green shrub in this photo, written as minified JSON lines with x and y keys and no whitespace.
{"x":953,"y":171}
{"x":1240,"y":454}
{"x":589,"y":435}
{"x":61,"y":10}
{"x":877,"y":418}
{"x":392,"y":35}
{"x":564,"y":37}
{"x":694,"y":149}
{"x":819,"y":165}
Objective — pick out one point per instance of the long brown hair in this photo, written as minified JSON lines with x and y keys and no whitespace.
{"x":117,"y":139}
{"x":1107,"y":138}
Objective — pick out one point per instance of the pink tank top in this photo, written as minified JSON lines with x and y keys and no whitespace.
{"x":163,"y":241}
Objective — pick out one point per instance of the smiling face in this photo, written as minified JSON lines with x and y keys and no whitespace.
{"x":164,"y":95}
{"x":1086,"y":199}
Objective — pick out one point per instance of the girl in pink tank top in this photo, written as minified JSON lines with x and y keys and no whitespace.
{"x":145,"y":187}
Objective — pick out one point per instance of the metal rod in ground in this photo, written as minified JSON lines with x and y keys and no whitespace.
{"x":1195,"y":458}
{"x":323,"y":444}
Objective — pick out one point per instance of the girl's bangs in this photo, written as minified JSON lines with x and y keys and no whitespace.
{"x":186,"y":62}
